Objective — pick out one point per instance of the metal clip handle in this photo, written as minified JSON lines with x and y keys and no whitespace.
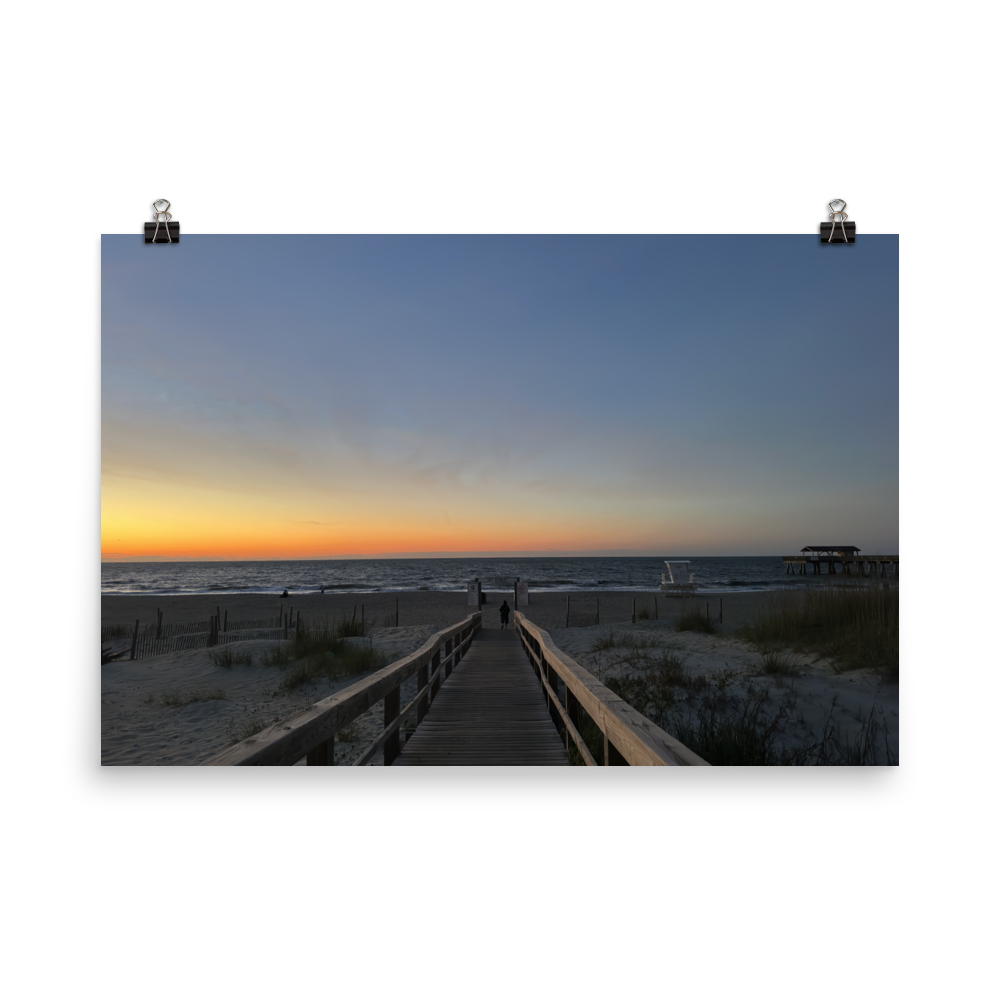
{"x":837,"y":215}
{"x":160,"y":207}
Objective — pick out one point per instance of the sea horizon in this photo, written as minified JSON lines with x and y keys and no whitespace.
{"x":713,"y":574}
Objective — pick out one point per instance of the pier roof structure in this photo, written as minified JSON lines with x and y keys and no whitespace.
{"x":838,"y":549}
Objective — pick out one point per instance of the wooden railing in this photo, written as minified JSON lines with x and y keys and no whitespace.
{"x":629,"y":737}
{"x":837,"y":557}
{"x":311,"y":732}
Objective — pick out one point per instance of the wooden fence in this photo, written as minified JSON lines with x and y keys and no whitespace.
{"x":159,"y":638}
{"x":312,"y":732}
{"x":584,"y":612}
{"x":629,"y":737}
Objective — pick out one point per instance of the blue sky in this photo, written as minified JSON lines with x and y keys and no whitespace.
{"x":338,"y":395}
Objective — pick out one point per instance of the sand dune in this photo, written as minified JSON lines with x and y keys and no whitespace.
{"x":145,"y":721}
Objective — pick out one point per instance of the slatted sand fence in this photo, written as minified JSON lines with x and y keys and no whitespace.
{"x":491,"y":711}
{"x":142,"y":641}
{"x":572,"y":692}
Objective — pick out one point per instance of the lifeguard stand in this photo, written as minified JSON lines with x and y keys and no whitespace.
{"x":678,"y":578}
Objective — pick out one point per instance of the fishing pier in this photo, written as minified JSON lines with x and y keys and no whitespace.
{"x":847,"y":557}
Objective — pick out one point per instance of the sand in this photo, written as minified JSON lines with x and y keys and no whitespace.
{"x":138,"y":728}
{"x":815,"y":700}
{"x":547,"y":609}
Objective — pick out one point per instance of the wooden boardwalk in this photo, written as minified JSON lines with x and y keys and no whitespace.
{"x":490,"y":711}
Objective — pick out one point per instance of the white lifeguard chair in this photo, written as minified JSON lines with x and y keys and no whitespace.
{"x":678,"y":577}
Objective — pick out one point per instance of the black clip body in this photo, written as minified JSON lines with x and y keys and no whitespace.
{"x":168,"y":232}
{"x":162,"y":230}
{"x":838,"y":217}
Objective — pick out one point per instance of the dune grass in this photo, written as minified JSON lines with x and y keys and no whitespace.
{"x":228,"y":657}
{"x":350,"y":734}
{"x":776,"y":663}
{"x":694,"y":621}
{"x":629,"y":641}
{"x":730,"y":721}
{"x":178,"y":699}
{"x":854,"y":626}
{"x":323,"y":651}
{"x":247,"y":726}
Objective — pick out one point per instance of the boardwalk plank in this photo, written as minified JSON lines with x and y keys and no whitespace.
{"x":491,"y":712}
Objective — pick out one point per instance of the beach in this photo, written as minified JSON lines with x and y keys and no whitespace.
{"x":180,"y":708}
{"x":546,"y":608}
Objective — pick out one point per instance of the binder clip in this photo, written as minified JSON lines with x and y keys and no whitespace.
{"x":162,"y":230}
{"x":828,"y":230}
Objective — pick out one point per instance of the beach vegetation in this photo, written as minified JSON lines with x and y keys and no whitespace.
{"x":776,"y":663}
{"x":350,"y":734}
{"x":694,"y":621}
{"x":867,"y":746}
{"x":731,"y":722}
{"x":248,"y":725}
{"x":745,"y":737}
{"x":229,"y":657}
{"x":278,"y":656}
{"x":323,"y":649}
{"x":179,"y":698}
{"x":853,"y":626}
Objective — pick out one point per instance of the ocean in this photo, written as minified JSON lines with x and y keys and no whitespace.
{"x":713,"y":575}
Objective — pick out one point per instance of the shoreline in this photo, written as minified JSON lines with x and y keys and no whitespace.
{"x":547,"y":609}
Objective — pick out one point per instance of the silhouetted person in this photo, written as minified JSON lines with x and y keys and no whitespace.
{"x":285,"y":594}
{"x":504,"y":614}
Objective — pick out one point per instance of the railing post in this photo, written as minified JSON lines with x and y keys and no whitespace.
{"x":612,"y":756}
{"x":322,"y":756}
{"x":553,"y":678}
{"x":391,"y":749}
{"x":424,"y":702}
{"x":449,"y":665}
{"x":573,"y":711}
{"x":435,"y":663}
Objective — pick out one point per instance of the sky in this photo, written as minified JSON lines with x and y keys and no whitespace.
{"x":333,"y":396}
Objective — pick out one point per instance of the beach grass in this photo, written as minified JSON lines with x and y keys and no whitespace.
{"x":854,"y":626}
{"x":251,"y":724}
{"x":624,"y":640}
{"x":228,"y":657}
{"x":178,"y":699}
{"x":321,"y":649}
{"x":728,"y":725}
{"x":776,"y":663}
{"x":745,"y":737}
{"x":694,"y":621}
{"x":349,"y":734}
{"x":278,"y":656}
